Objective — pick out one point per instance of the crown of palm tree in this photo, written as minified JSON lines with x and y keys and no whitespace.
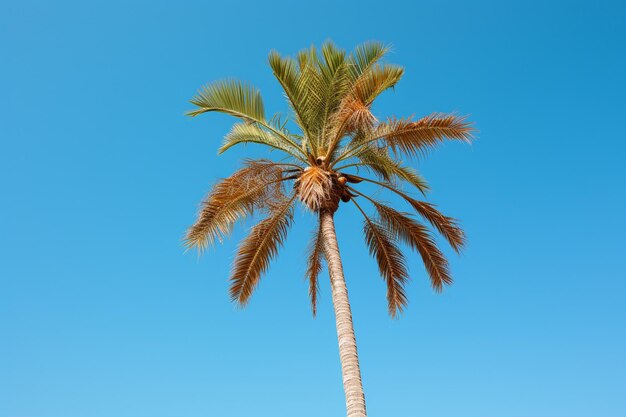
{"x":330,"y":94}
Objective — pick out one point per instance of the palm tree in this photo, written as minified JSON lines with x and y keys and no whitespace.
{"x":330,"y":94}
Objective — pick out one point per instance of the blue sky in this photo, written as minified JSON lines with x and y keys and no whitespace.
{"x":102,"y":314}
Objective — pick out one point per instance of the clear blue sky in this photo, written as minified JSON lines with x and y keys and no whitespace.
{"x":102,"y":314}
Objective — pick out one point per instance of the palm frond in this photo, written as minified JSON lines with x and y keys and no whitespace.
{"x":412,"y":138}
{"x":240,"y":100}
{"x":250,"y":188}
{"x":366,"y":80}
{"x":258,"y":249}
{"x":316,"y":257}
{"x":313,"y":91}
{"x":415,"y":138}
{"x":365,"y":56}
{"x":253,"y":133}
{"x":376,"y":80}
{"x":335,"y":72}
{"x":447,"y":226}
{"x":391,"y":263}
{"x":231,"y":97}
{"x":352,"y":116}
{"x":354,"y":113}
{"x":418,"y":238}
{"x":300,"y":83}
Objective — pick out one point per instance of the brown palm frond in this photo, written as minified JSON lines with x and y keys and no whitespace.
{"x":418,"y":238}
{"x":314,"y":265}
{"x":390,"y":260}
{"x":447,"y":226}
{"x":353,"y":115}
{"x":415,"y":138}
{"x":412,"y":138}
{"x":391,"y":264}
{"x":258,"y":249}
{"x":314,"y":185}
{"x":233,"y":198}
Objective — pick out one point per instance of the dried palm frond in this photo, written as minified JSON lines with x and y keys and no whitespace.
{"x":233,"y":198}
{"x":258,"y":249}
{"x":316,"y":257}
{"x":418,"y":238}
{"x":447,"y":226}
{"x":391,"y":263}
{"x":415,"y":138}
{"x":353,"y":116}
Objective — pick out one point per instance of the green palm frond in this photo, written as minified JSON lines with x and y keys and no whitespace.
{"x":231,"y":97}
{"x":313,"y":89}
{"x":364,"y":56}
{"x":237,"y":99}
{"x":298,"y":81}
{"x":335,"y":73}
{"x":253,"y":133}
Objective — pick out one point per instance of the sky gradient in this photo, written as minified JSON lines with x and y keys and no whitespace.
{"x":103,"y":314}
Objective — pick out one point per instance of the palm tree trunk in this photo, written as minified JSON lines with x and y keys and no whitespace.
{"x":352,"y":385}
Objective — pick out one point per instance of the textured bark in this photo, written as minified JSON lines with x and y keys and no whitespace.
{"x":352,"y":384}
